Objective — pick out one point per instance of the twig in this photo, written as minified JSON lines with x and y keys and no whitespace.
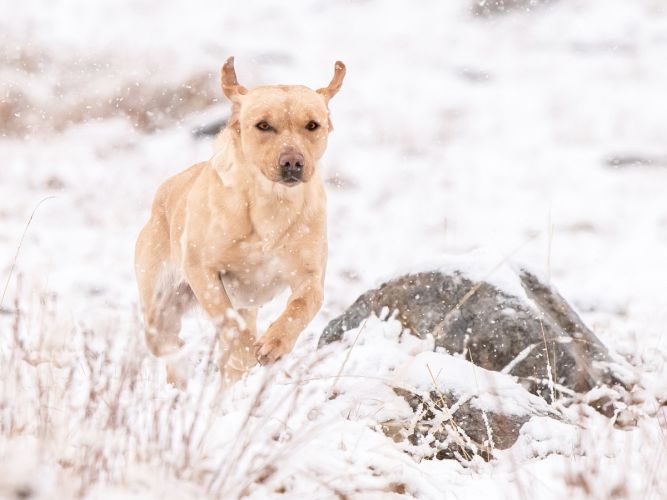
{"x":347,"y":356}
{"x":18,"y":248}
{"x":518,"y":359}
{"x":445,"y":410}
{"x":549,"y":370}
{"x":489,"y":430}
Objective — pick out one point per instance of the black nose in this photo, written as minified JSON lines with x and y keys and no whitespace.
{"x":291,"y":166}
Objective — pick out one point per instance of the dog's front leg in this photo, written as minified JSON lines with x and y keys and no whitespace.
{"x":234,"y":336}
{"x":303,"y":304}
{"x":209,"y":291}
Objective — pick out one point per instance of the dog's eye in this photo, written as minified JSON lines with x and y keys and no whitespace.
{"x":264,"y":126}
{"x":312,"y":125}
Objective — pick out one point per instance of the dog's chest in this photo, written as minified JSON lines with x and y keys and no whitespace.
{"x":256,"y":277}
{"x":257,"y":268}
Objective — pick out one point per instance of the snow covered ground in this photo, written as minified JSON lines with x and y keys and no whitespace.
{"x":539,"y":133}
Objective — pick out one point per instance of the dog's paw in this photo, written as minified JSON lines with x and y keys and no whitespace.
{"x":270,"y":349}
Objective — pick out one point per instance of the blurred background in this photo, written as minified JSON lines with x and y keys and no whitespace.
{"x":535,"y":129}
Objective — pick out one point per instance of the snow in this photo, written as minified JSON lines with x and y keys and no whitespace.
{"x":491,"y":391}
{"x":459,"y":142}
{"x":480,"y":264}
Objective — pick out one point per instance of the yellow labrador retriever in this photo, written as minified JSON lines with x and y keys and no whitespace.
{"x":232,"y":232}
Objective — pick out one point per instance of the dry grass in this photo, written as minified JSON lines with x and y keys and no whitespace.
{"x":101,"y":415}
{"x":100,"y":410}
{"x":40,"y":95}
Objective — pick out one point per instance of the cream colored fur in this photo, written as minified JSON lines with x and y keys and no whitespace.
{"x":230,"y":235}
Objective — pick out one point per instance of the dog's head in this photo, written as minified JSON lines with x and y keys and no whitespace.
{"x":283,"y":129}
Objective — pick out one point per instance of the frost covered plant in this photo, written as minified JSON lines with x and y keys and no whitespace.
{"x":97,"y":410}
{"x":85,"y":412}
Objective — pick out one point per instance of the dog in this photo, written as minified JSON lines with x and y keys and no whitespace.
{"x":232,"y":232}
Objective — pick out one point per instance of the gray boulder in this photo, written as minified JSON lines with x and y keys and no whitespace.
{"x":526,"y":329}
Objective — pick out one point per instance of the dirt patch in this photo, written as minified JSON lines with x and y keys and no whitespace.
{"x":41,"y":95}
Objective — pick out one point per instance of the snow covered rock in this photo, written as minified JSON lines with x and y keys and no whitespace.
{"x":506,"y":320}
{"x":431,"y":405}
{"x":460,"y":410}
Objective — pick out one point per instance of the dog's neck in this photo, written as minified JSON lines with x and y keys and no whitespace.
{"x":271,"y":204}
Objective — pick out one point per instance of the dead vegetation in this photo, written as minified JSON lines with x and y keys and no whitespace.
{"x":39,"y":94}
{"x":97,"y":414}
{"x":89,"y":399}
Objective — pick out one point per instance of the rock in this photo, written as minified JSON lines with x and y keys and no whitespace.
{"x":635,"y":160}
{"x":461,"y":411}
{"x":210,"y":129}
{"x":521,"y":327}
{"x":461,"y":436}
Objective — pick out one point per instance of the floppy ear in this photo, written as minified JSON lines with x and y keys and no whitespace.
{"x":232,"y":90}
{"x":336,"y":82}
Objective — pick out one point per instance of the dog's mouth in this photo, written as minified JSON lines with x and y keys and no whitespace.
{"x":290,"y":181}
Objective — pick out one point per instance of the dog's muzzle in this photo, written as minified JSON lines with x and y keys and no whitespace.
{"x":291,"y":167}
